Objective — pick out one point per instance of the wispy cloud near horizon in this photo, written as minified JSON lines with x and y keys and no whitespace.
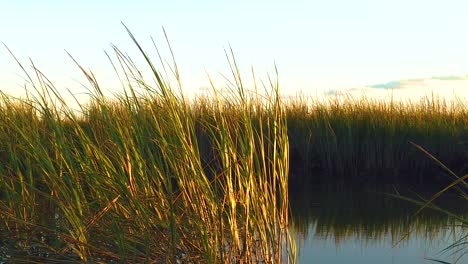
{"x":446,"y":87}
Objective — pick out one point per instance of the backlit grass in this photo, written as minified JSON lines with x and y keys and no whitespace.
{"x":128,"y":178}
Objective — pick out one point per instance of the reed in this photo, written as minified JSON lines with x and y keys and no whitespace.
{"x":126,"y":179}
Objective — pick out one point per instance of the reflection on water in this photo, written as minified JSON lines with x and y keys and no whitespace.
{"x":336,"y":226}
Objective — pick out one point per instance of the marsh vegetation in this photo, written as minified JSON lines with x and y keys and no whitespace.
{"x":152,"y":176}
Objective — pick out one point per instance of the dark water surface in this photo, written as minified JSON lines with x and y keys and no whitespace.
{"x":339,"y":225}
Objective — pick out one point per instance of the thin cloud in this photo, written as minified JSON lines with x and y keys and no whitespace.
{"x":448,"y":87}
{"x":449,"y":78}
{"x":388,"y":85}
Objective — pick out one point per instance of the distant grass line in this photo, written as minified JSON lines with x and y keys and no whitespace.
{"x":355,"y":140}
{"x":362,"y":140}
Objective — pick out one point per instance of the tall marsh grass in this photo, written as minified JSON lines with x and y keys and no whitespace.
{"x":129,"y":179}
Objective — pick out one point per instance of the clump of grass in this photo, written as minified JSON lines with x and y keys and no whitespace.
{"x":146,"y":177}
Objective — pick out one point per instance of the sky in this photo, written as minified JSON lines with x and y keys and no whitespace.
{"x":318,"y":47}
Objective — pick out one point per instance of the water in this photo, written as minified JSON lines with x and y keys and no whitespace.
{"x":342,"y":226}
{"x":355,"y":249}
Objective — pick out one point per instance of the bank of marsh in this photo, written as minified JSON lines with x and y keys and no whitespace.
{"x":362,"y":140}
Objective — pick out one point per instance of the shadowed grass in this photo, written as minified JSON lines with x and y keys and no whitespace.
{"x":368,"y":141}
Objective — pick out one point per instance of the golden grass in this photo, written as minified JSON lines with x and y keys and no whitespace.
{"x":126,"y":179}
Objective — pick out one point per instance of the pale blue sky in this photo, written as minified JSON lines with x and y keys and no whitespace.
{"x":317,"y":45}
